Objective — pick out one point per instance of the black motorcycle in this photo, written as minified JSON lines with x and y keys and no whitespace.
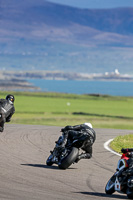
{"x":122,"y":180}
{"x":64,"y":157}
{"x":2,"y":114}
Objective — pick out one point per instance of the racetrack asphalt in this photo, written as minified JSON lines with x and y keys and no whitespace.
{"x":24,"y":174}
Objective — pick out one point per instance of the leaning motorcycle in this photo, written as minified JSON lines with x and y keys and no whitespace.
{"x":2,"y":114}
{"x":64,"y":157}
{"x":122,"y":180}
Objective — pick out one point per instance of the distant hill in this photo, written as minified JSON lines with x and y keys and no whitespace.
{"x":42,"y":35}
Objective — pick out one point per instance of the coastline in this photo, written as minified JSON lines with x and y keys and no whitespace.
{"x":17,"y":85}
{"x":19,"y":80}
{"x":60,"y":75}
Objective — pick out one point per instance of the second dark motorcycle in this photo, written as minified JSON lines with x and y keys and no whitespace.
{"x":64,"y":157}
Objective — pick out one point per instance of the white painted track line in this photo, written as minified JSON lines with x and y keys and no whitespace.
{"x":106,"y":146}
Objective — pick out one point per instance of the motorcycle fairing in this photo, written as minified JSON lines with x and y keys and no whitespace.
{"x":122,"y":164}
{"x":117,"y":185}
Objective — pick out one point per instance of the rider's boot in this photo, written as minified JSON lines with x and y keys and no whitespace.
{"x":83,"y":156}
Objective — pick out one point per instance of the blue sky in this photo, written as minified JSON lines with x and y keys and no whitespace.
{"x":95,"y":3}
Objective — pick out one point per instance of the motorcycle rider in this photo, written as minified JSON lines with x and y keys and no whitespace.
{"x":6,"y":110}
{"x":81,"y":131}
{"x":122,"y":180}
{"x":128,"y":156}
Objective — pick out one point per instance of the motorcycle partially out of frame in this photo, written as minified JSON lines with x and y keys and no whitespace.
{"x":122,"y":180}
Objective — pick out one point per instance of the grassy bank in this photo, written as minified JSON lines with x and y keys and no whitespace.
{"x":62,"y":109}
{"x":120,"y":142}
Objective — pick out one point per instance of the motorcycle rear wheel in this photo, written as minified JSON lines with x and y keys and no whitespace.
{"x":69,"y":159}
{"x":110,"y":186}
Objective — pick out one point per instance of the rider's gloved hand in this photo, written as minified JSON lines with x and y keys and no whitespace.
{"x":60,"y":147}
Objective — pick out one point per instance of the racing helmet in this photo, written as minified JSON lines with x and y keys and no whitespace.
{"x":88,"y":124}
{"x":10,"y":98}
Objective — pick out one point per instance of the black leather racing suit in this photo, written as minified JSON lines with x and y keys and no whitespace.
{"x":6,"y":110}
{"x":70,"y":132}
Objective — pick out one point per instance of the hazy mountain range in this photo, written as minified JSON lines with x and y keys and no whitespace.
{"x":36,"y":34}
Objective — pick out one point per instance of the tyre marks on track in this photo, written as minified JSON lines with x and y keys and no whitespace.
{"x":24,"y":174}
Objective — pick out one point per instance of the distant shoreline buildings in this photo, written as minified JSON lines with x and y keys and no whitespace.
{"x":60,"y":75}
{"x":18,"y":80}
{"x":113,"y":76}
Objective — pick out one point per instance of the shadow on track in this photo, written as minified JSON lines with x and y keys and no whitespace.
{"x":45,"y":166}
{"x":97,"y":194}
{"x":41,"y":166}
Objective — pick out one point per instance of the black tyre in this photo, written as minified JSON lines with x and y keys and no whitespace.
{"x":69,"y":159}
{"x":129,"y":193}
{"x":130,"y":196}
{"x":48,"y":161}
{"x":110,"y":186}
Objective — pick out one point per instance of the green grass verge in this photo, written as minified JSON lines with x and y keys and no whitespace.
{"x":120,"y":142}
{"x":59,"y":109}
{"x":56,"y":109}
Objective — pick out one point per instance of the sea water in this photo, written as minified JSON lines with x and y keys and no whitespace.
{"x":114,"y":88}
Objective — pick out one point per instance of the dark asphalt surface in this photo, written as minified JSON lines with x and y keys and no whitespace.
{"x":24,"y":174}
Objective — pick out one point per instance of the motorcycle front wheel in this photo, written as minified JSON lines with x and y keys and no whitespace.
{"x":129,"y":193}
{"x":110,"y":186}
{"x":69,"y":159}
{"x":49,"y":160}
